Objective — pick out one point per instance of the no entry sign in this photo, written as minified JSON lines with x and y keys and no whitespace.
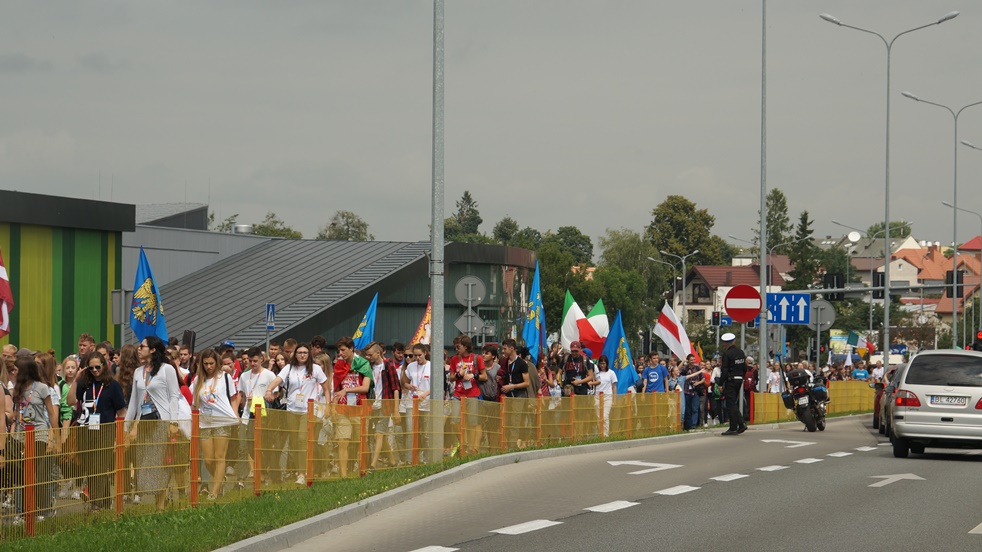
{"x":742,"y":303}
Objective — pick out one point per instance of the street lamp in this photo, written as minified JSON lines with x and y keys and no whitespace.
{"x":675,"y":275}
{"x":886,"y":200}
{"x":954,"y":214}
{"x":946,"y":204}
{"x":685,"y":315}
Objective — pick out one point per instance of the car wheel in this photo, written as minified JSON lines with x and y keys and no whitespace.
{"x":883,"y":429}
{"x":917,"y":448}
{"x":900,"y":448}
{"x":876,"y":422}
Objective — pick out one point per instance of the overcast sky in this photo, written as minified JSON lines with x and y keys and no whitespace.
{"x":558,"y":112}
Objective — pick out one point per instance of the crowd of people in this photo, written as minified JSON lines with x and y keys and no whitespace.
{"x":154,"y":386}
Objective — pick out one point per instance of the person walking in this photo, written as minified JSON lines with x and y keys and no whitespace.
{"x":217,"y":399}
{"x":732,"y":372}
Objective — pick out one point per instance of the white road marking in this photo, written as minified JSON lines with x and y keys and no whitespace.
{"x":887,"y":479}
{"x":866,"y":449}
{"x":672,"y":491}
{"x":808,"y":460}
{"x":611,"y":506}
{"x":653,"y":465}
{"x":436,"y":549}
{"x":839,"y":454}
{"x":791,"y":444}
{"x":730,"y":477}
{"x":884,"y":444}
{"x":977,"y":530}
{"x":772,"y":468}
{"x":526,"y":527}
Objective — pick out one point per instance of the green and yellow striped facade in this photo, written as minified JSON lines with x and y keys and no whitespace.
{"x":61,"y":279}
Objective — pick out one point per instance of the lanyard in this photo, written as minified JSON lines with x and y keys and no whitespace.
{"x":95,"y":398}
{"x":147,"y":378}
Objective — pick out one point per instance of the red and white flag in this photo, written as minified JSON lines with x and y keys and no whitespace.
{"x":671,"y":331}
{"x":6,"y":299}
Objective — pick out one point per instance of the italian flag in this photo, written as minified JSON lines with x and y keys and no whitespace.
{"x":570,"y":331}
{"x":591,"y":330}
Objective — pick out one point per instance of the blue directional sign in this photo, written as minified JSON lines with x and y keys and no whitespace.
{"x":788,"y":308}
{"x":725,"y":320}
{"x":270,"y":317}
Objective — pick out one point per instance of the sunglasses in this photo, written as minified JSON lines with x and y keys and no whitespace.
{"x":95,"y":367}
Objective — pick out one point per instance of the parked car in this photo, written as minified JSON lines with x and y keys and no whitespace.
{"x":880,"y":387}
{"x":887,"y":401}
{"x":938,"y":403}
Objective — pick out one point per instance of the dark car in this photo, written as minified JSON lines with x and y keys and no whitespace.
{"x":885,"y":397}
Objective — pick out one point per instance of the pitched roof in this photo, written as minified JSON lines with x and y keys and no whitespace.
{"x":302,"y":277}
{"x":974,"y":244}
{"x":719,"y":276}
{"x":146,"y":214}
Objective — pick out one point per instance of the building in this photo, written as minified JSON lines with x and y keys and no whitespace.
{"x":706,"y":287}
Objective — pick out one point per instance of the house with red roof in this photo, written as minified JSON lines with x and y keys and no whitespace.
{"x":706,"y":287}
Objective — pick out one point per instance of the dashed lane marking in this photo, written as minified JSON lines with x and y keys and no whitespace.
{"x":866,"y":449}
{"x":808,"y":460}
{"x":839,"y":454}
{"x":772,"y":468}
{"x":526,"y":527}
{"x":677,"y":490}
{"x":436,"y":549}
{"x":729,"y":477}
{"x":611,"y":506}
{"x":977,"y":530}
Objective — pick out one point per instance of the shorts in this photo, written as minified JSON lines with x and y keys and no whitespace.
{"x":344,"y":427}
{"x":383,"y":424}
{"x":221,"y":431}
{"x":473,"y":407}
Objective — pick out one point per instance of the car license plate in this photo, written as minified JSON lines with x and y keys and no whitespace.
{"x":802,"y":400}
{"x":946,"y":400}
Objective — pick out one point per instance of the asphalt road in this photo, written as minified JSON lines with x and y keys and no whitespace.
{"x":763,"y":490}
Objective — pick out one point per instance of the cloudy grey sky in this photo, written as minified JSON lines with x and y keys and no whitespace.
{"x":558,"y":112}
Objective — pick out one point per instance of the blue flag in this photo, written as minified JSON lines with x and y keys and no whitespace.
{"x":365,"y":333}
{"x":147,"y":311}
{"x":535,"y":319}
{"x":619,"y":354}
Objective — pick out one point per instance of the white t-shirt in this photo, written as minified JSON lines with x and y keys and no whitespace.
{"x":300,"y":386}
{"x":254,"y":385}
{"x":377,"y":374}
{"x":877,"y":374}
{"x":774,"y":382}
{"x":213,"y":401}
{"x":420,"y":377}
{"x":607,"y":380}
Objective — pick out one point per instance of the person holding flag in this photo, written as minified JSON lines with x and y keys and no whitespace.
{"x":535,"y":321}
{"x":352,"y":392}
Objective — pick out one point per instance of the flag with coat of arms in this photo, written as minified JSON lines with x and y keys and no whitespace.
{"x":618,"y":353}
{"x":365,"y":333}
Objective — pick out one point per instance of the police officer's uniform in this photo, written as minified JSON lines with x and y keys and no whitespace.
{"x":732,"y":371}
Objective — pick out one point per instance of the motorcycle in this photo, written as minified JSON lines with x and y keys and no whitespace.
{"x":808,"y":395}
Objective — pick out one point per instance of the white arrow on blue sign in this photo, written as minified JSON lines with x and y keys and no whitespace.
{"x":788,"y":308}
{"x":725,"y":320}
{"x":270,"y":317}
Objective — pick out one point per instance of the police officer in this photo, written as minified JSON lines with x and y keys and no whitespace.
{"x":732,"y":371}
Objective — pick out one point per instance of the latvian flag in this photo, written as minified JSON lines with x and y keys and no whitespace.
{"x":670,"y":330}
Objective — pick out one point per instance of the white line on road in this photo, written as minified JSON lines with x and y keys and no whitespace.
{"x":772,"y":468}
{"x":977,"y":530}
{"x":866,"y":449}
{"x":839,"y":454}
{"x":611,"y":506}
{"x":887,"y":444}
{"x":672,"y":491}
{"x":526,"y":527}
{"x":729,"y":477}
{"x":436,"y":549}
{"x":808,"y":460}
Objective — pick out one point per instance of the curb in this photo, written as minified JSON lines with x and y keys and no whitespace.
{"x":306,"y":529}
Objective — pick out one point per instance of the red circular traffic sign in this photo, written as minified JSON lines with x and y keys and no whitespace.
{"x":742,"y":303}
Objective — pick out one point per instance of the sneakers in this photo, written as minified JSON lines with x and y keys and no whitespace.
{"x":730,"y":432}
{"x":301,"y":479}
{"x":742,"y":429}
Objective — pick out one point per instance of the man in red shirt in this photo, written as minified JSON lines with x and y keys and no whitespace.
{"x":466,"y":370}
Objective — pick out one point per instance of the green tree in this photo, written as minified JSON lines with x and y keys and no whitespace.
{"x":225,"y":226}
{"x":803,"y":255}
{"x":897,"y":230}
{"x":627,"y":251}
{"x":575,"y":242}
{"x":625,"y":291}
{"x":679,"y":228}
{"x":778,"y":223}
{"x":345,"y":225}
{"x":465,"y":224}
{"x":556,"y":277}
{"x":273,"y":227}
{"x":505,"y":231}
{"x":529,"y":238}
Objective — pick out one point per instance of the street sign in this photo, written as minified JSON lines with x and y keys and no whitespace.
{"x":742,"y":303}
{"x":469,"y":291}
{"x":822,"y":314}
{"x":270,"y":317}
{"x":788,"y":308}
{"x":469,"y":323}
{"x":727,"y":321}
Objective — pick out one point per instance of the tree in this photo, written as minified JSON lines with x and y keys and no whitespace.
{"x":677,"y":227}
{"x":803,"y":255}
{"x":347,"y":226}
{"x":465,"y":222}
{"x":529,"y":238}
{"x":778,"y":223}
{"x":572,"y":240}
{"x":625,"y":291}
{"x":555,"y":278}
{"x":897,"y":229}
{"x":505,"y":231}
{"x":273,"y":227}
{"x":626,"y":251}
{"x":225,"y":226}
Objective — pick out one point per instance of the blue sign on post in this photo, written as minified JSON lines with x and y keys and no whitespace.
{"x":270,"y":317}
{"x":788,"y":308}
{"x":725,"y":320}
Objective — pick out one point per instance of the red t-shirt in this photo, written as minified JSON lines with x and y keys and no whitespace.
{"x":471,"y":363}
{"x":341,"y":368}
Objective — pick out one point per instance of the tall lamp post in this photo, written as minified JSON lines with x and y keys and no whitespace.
{"x":685,"y":315}
{"x":886,"y":200}
{"x":954,"y":215}
{"x":976,"y":213}
{"x":886,"y":247}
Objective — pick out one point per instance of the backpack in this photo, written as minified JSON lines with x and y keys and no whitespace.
{"x":489,"y":389}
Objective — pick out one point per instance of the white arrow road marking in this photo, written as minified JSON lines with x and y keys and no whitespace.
{"x":772,"y":468}
{"x":672,"y":491}
{"x":730,"y":477}
{"x":793,"y":444}
{"x":977,"y":530}
{"x":436,"y":549}
{"x":808,"y":460}
{"x":784,"y":308}
{"x":839,"y":454}
{"x":653,"y":465}
{"x":866,"y":449}
{"x":611,"y":506}
{"x":887,"y":479}
{"x":801,"y":308}
{"x":526,"y":527}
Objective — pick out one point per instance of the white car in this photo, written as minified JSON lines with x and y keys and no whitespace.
{"x":938,"y":403}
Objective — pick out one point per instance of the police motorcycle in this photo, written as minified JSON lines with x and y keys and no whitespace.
{"x":808,"y":395}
